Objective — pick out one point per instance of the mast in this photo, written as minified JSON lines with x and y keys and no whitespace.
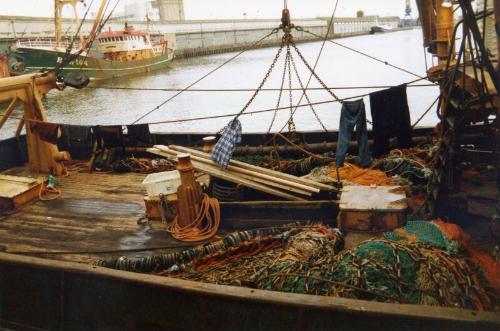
{"x":58,"y":7}
{"x":97,"y":21}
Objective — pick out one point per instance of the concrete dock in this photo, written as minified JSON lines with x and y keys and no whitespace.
{"x":197,"y":37}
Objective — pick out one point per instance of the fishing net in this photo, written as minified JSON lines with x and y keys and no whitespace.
{"x":411,"y":164}
{"x":417,"y":264}
{"x":489,"y":266}
{"x":425,"y":233}
{"x":177,"y":260}
{"x":245,"y":264}
{"x":406,"y":272}
{"x":350,"y":173}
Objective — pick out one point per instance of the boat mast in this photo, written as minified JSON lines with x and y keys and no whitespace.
{"x":97,"y":21}
{"x":58,"y":6}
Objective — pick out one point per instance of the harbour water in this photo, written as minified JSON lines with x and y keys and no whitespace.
{"x":338,"y":67}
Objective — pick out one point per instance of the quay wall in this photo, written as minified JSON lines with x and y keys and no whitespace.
{"x":193,"y":38}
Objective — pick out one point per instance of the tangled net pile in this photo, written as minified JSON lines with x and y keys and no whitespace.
{"x":413,"y":164}
{"x":349,"y":173}
{"x":417,"y":264}
{"x":242,"y":264}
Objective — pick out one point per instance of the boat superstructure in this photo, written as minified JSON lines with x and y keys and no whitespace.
{"x":101,"y":55}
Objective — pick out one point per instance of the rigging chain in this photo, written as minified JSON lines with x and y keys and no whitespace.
{"x":313,"y":72}
{"x":291,"y":124}
{"x":264,"y":80}
{"x":274,"y":31}
{"x":306,"y":96}
{"x":279,"y":97}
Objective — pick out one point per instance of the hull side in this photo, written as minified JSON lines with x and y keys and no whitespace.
{"x":47,"y":294}
{"x":38,"y":59}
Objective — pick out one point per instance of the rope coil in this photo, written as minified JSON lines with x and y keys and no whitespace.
{"x":203,"y":227}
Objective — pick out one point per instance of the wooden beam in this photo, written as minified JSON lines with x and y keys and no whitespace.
{"x":260,"y":169}
{"x":259,"y":176}
{"x":216,"y":172}
{"x":19,"y":127}
{"x":8,"y":111}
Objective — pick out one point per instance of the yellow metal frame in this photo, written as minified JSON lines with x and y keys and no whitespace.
{"x":43,"y":156}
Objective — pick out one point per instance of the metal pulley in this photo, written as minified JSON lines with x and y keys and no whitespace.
{"x":286,"y":23}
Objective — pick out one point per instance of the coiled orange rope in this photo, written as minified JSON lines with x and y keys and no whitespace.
{"x":203,"y":227}
{"x":45,"y":189}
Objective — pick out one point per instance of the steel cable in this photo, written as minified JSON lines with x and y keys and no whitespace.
{"x":206,"y":75}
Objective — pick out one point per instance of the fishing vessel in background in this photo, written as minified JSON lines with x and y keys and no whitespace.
{"x":100,"y":55}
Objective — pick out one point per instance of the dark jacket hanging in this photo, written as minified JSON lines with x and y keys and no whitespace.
{"x":391,"y":118}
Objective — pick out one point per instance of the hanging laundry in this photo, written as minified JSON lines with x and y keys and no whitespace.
{"x":48,"y":132}
{"x":352,"y":116}
{"x":109,"y":136}
{"x":139,"y":135}
{"x":76,"y":135}
{"x":224,"y":148}
{"x":391,"y":118}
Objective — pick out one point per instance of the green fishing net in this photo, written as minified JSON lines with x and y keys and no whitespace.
{"x":424,"y":232}
{"x":310,"y":260}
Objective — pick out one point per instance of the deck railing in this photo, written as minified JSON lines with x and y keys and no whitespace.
{"x":49,"y":43}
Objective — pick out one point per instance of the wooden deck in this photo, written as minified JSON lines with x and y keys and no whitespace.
{"x":96,"y":217}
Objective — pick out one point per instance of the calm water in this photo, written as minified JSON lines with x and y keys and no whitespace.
{"x":337,"y":67}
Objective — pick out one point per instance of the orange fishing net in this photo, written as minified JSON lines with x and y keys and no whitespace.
{"x":350,"y":172}
{"x":490,"y":267}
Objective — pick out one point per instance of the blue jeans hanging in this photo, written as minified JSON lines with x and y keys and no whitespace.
{"x":352,"y":116}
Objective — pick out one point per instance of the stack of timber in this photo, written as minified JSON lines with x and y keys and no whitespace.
{"x":16,"y":191}
{"x":261,"y":179}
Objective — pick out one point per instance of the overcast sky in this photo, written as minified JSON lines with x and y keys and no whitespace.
{"x":200,"y":9}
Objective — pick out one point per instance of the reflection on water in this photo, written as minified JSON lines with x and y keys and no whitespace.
{"x":337,"y":67}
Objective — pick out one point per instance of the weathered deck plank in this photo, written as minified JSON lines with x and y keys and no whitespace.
{"x":96,"y":213}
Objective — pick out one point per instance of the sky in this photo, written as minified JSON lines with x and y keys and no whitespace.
{"x":233,"y":9}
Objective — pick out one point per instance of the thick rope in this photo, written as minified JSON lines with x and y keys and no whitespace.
{"x":203,"y":227}
{"x":44,"y":190}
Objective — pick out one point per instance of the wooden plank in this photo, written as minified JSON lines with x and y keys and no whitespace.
{"x":19,"y":127}
{"x":26,"y":180}
{"x":216,"y":172}
{"x":269,"y":172}
{"x":373,"y":198}
{"x":257,"y":176}
{"x":27,"y":196}
{"x":11,"y":186}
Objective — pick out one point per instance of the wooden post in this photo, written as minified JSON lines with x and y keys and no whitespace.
{"x":208,"y":144}
{"x":189,"y":193}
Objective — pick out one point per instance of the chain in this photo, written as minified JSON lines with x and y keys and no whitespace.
{"x":305,"y":95}
{"x":268,"y":73}
{"x":313,"y":72}
{"x":279,"y":98}
{"x":291,"y":124}
{"x":252,"y":46}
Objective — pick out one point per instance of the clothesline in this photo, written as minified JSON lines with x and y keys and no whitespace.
{"x":244,"y":114}
{"x":252,"y":89}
